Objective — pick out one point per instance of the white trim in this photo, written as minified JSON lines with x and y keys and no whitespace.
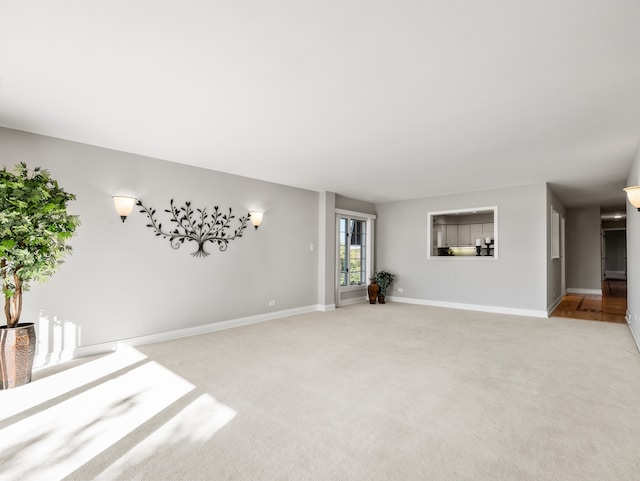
{"x":471,"y":307}
{"x":325,"y":307}
{"x":554,"y":234}
{"x":576,"y":290}
{"x":336,"y":260}
{"x":453,"y":258}
{"x":355,"y":300}
{"x":369,"y":253}
{"x":634,"y":333}
{"x":93,"y":349}
{"x":354,"y":287}
{"x":353,"y":213}
{"x":47,"y":359}
{"x":371,"y":238}
{"x":470,"y":210}
{"x":563,"y":254}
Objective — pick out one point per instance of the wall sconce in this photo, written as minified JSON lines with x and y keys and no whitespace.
{"x":124,"y":205}
{"x":633,"y":193}
{"x":256,"y":218}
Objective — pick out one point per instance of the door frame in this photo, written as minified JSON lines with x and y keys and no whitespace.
{"x":369,"y":252}
{"x":563,"y":266}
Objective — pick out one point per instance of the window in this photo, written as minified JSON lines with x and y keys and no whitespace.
{"x":463,"y":233}
{"x":353,"y":252}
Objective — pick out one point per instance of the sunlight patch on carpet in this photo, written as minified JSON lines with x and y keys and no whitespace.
{"x":195,"y":424}
{"x":20,"y":399}
{"x":54,"y":442}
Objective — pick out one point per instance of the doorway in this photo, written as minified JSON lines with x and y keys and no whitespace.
{"x":614,"y":254}
{"x":354,"y":259}
{"x":609,"y":303}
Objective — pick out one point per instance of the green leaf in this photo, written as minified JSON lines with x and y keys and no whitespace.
{"x":34,"y":225}
{"x":8,"y":244}
{"x":49,"y":207}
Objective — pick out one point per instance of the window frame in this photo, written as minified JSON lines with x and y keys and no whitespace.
{"x":369,"y":247}
{"x":465,"y":211}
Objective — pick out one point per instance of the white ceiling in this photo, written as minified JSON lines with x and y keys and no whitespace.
{"x":377,"y":100}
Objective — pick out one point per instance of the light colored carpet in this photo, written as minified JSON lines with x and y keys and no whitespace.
{"x":367,"y":392}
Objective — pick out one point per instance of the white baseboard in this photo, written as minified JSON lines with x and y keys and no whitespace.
{"x":50,"y":358}
{"x":325,"y":307}
{"x":84,"y":351}
{"x":635,"y":330}
{"x":576,"y":290}
{"x":472,"y":307}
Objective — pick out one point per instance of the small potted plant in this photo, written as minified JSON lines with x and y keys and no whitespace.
{"x":384,"y":280}
{"x":34,"y":230}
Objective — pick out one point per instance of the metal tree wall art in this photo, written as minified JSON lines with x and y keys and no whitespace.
{"x":197,"y":226}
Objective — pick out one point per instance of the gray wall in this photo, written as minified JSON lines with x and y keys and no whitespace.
{"x":584,"y":265}
{"x":554,"y":266}
{"x":633,"y":255}
{"x":355,"y":205}
{"x":123,"y":282}
{"x":517,"y":280}
{"x":327,"y":251}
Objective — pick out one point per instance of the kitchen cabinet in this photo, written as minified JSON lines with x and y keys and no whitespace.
{"x":458,"y":235}
{"x":475,"y":232}
{"x":487,"y":230}
{"x":464,"y":238}
{"x":439,"y":235}
{"x":452,"y":235}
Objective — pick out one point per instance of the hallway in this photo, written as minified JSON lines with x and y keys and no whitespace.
{"x":610,"y":307}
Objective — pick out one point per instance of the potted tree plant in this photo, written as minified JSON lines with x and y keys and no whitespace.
{"x":34,"y":230}
{"x":384,"y":280}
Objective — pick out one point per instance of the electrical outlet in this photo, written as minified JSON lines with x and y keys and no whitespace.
{"x":272,"y":303}
{"x":312,"y":247}
{"x":400,"y":289}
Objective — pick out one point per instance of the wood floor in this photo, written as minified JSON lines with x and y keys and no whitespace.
{"x":610,"y":307}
